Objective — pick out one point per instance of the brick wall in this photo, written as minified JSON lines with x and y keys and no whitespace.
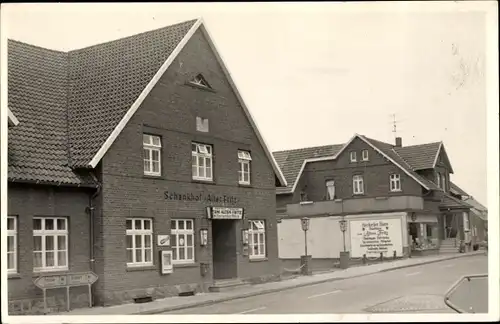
{"x":26,"y":202}
{"x":170,"y":112}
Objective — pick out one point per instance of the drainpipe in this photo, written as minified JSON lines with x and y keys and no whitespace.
{"x":91,"y":225}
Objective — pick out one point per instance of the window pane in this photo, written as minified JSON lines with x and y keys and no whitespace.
{"x":10,"y":223}
{"x":156,"y":155}
{"x":37,"y":259}
{"x":138,"y":225}
{"x":173,"y":240}
{"x":37,"y":243}
{"x":190,"y":253}
{"x":147,"y":255}
{"x":262,"y":251}
{"x":49,"y":243}
{"x":147,"y":167}
{"x":156,"y":140}
{"x":147,"y":154}
{"x":174,"y":254}
{"x":10,"y":243}
{"x":138,"y":241}
{"x":189,"y":224}
{"x":173,"y":225}
{"x":129,"y":241}
{"x":156,"y":167}
{"x":261,"y":238}
{"x":129,"y":224}
{"x":11,"y":261}
{"x":61,"y":258}
{"x":146,"y":139}
{"x":208,"y":162}
{"x":201,"y":172}
{"x":61,"y":242}
{"x":147,"y":241}
{"x":245,"y":167}
{"x":189,"y":240}
{"x":138,"y":255}
{"x":147,"y":224}
{"x":61,"y":224}
{"x":193,"y":147}
{"x":49,"y":224}
{"x":49,"y":261}
{"x":37,"y":224}
{"x":129,"y":256}
{"x":209,"y":173}
{"x":182,"y":254}
{"x":181,"y":224}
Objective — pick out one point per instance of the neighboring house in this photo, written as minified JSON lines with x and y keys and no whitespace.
{"x":393,"y":197}
{"x":136,"y":159}
{"x":478,"y":212}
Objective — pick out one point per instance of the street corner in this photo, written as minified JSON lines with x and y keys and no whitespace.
{"x":411,"y":303}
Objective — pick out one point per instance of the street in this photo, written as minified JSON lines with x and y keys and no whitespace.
{"x":418,"y":289}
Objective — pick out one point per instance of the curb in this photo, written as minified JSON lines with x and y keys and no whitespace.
{"x":273,"y":290}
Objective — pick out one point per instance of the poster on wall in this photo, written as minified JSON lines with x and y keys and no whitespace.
{"x":371,"y":237}
{"x":163,"y":240}
{"x":166,"y":262}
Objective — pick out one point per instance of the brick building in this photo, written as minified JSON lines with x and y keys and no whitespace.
{"x":138,"y":160}
{"x":400,"y":191}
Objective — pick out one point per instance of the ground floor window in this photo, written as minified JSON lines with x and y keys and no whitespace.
{"x":50,"y":243}
{"x":182,"y":240}
{"x":257,"y":239}
{"x":11,"y":244}
{"x":139,"y":236}
{"x":424,"y":236}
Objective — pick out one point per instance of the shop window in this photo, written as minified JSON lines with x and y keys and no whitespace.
{"x":364,"y":155}
{"x":330,"y":190}
{"x":11,"y":244}
{"x":182,"y":240}
{"x":139,"y":236}
{"x":152,"y":154}
{"x":201,"y":161}
{"x":395,"y":182}
{"x":244,"y":159}
{"x":429,"y":230}
{"x":358,"y":185}
{"x":50,"y":243}
{"x":352,"y":155}
{"x":257,"y":239}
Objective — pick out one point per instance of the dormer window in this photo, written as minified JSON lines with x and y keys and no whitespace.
{"x":200,"y":81}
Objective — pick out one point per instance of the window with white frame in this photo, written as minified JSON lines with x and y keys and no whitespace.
{"x":357,"y":184}
{"x":11,"y":244}
{"x":395,"y":182}
{"x":330,"y":189}
{"x":152,"y":154}
{"x":201,"y":161}
{"x":50,"y":243}
{"x":257,"y":239}
{"x":364,"y":155}
{"x":353,"y":156}
{"x":182,"y":240}
{"x":438,"y":179}
{"x":443,"y":181}
{"x":139,"y":237}
{"x":244,"y":159}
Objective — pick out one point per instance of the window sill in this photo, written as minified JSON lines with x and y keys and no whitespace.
{"x":381,"y":198}
{"x":141,"y":268}
{"x":246,"y":185}
{"x":396,"y":191}
{"x":358,"y":194}
{"x":207,"y":182}
{"x":13,"y":275}
{"x":258,"y":259}
{"x":40,"y":273}
{"x":151,"y":176}
{"x":185,"y":265}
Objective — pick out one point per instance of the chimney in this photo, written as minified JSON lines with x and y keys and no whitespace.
{"x":399,"y":142}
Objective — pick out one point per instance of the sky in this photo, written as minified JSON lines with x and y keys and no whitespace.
{"x":316,"y":74}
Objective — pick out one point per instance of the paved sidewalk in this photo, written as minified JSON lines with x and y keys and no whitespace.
{"x":203,"y":299}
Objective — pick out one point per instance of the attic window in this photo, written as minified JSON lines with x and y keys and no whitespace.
{"x":200,"y":81}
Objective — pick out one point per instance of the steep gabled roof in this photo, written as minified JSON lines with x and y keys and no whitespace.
{"x":37,"y":81}
{"x":87,"y":96}
{"x":292,"y":162}
{"x":457,"y":190}
{"x":423,"y":156}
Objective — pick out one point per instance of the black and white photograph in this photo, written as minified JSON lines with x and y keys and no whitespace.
{"x":249,"y":162}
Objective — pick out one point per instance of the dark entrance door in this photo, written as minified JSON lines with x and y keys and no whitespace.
{"x":224,"y":249}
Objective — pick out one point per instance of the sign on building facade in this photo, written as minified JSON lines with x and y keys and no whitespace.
{"x":371,"y":237}
{"x":224,"y":213}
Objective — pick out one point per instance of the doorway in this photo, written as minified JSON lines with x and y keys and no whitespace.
{"x":224,"y":249}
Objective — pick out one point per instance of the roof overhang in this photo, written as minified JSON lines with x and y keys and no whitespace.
{"x":13,"y":121}
{"x":123,"y":122}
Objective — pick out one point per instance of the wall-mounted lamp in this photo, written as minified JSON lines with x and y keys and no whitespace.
{"x":203,"y":236}
{"x":244,"y":236}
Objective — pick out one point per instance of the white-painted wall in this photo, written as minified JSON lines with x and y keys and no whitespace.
{"x":324,"y":237}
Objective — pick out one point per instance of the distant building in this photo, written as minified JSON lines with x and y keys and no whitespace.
{"x":137,"y":160}
{"x":394,"y":198}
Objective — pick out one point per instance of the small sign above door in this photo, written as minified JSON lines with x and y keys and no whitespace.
{"x":224,"y":213}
